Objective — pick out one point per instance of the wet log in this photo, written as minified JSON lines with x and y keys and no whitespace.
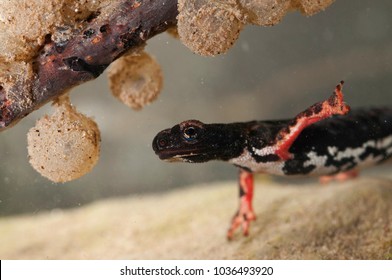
{"x":59,"y":66}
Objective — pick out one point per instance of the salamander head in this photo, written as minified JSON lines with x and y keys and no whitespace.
{"x":194,"y":141}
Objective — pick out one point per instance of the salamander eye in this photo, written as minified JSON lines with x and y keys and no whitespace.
{"x":189,"y":133}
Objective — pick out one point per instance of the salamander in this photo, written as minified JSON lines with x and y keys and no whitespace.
{"x":327,"y":138}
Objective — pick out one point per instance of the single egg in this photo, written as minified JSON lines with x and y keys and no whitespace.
{"x":136,"y":79}
{"x":64,"y":146}
{"x":209,"y":28}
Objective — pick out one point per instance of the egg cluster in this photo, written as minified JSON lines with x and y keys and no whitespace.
{"x":210,"y":27}
{"x":25,"y":24}
{"x":65,"y":145}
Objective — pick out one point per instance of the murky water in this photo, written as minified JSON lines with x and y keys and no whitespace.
{"x":272,"y":72}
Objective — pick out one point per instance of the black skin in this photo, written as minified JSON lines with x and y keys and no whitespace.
{"x":194,"y":141}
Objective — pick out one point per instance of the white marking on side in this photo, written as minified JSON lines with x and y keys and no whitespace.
{"x":264,"y":151}
{"x":320,"y":163}
{"x":332,"y":150}
{"x":384,"y":143}
{"x":276,"y":167}
{"x":246,"y":160}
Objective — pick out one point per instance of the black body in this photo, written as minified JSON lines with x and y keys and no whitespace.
{"x":364,"y":132}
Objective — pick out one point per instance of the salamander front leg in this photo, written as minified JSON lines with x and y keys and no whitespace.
{"x":334,"y":105}
{"x":245,"y":213}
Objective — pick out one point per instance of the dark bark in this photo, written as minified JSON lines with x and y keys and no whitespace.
{"x":61,"y":66}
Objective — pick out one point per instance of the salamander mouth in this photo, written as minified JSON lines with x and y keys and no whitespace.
{"x":177,"y":156}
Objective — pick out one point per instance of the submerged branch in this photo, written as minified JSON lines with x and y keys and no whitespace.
{"x":86,"y":53}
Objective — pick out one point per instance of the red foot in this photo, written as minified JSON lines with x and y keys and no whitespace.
{"x":245,"y":213}
{"x":334,"y":105}
{"x":342,"y":176}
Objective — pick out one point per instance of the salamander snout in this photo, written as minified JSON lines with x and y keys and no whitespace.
{"x":180,"y":140}
{"x":161,"y":140}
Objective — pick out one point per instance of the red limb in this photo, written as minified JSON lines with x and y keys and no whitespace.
{"x":245,"y":213}
{"x":342,"y":176}
{"x":334,"y":105}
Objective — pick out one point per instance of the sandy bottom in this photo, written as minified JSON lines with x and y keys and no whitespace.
{"x":349,"y":220}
